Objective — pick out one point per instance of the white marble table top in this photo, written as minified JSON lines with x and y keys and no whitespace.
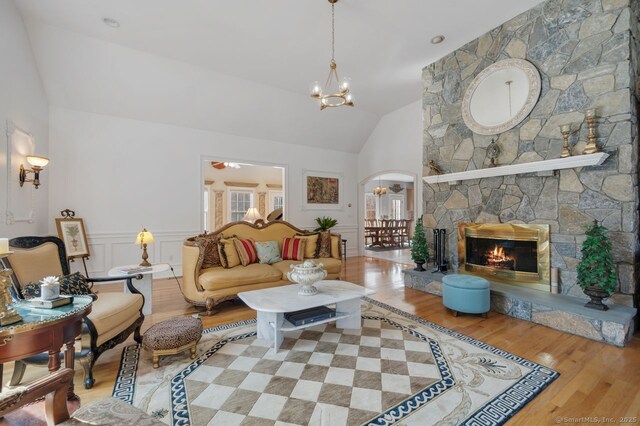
{"x":155,"y":268}
{"x":286,"y":298}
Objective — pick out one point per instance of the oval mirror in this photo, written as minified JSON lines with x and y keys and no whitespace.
{"x":501,"y":96}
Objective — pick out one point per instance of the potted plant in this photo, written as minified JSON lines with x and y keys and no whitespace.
{"x":596,"y":271}
{"x":419,"y":248}
{"x":325,"y":223}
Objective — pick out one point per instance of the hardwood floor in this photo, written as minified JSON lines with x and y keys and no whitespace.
{"x":597,"y":380}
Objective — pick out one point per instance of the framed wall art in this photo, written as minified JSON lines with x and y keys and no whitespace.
{"x":321,"y":190}
{"x":71,"y":232}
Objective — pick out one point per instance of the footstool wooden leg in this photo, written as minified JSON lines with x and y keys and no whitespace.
{"x":485,"y":315}
{"x":455,"y":313}
{"x":156,"y":361}
{"x":193,"y":351}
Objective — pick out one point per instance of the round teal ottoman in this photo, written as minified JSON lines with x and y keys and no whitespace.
{"x":466,"y":293}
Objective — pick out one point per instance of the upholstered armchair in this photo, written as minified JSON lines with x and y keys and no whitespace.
{"x":113,"y":317}
{"x":54,"y":386}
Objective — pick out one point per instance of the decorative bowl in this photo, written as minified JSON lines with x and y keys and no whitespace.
{"x":306,"y":274}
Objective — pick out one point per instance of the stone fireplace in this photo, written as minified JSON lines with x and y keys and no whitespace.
{"x":516,"y":254}
{"x":586,"y":53}
{"x":582,"y":50}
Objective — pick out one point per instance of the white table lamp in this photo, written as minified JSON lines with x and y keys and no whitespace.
{"x":252,"y":215}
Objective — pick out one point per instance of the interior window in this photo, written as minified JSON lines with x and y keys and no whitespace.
{"x":241,"y":201}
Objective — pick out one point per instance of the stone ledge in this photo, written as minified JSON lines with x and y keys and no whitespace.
{"x":558,"y":311}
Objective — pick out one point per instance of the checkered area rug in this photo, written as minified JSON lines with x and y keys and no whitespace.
{"x":396,"y":368}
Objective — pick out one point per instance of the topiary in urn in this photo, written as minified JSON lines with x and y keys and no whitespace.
{"x":596,"y":271}
{"x":419,"y":248}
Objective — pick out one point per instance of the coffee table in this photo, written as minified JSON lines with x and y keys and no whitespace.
{"x":272,"y":303}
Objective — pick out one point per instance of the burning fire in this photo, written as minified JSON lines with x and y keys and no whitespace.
{"x":498,"y":259}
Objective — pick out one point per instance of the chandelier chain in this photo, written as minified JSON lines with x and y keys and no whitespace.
{"x":333,"y":33}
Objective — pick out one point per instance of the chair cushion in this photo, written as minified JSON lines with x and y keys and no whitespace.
{"x":172,"y":333}
{"x":228,"y":253}
{"x":331,"y":264}
{"x":75,"y":284}
{"x":32,"y":265}
{"x":268,"y":252}
{"x":293,"y":249}
{"x":112,"y":313}
{"x":311,"y":244}
{"x":246,"y":251}
{"x":209,"y":246}
{"x":336,"y":247}
{"x":111,"y":412}
{"x":220,"y":278}
{"x":465,"y":281}
{"x":324,"y":244}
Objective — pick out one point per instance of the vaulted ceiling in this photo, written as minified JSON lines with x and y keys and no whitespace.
{"x":244,"y":66}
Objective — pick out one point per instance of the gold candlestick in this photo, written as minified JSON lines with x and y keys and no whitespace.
{"x":566,"y":132}
{"x":8,"y":315}
{"x":591,"y":147}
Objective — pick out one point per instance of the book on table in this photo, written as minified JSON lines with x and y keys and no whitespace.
{"x":132,"y":270}
{"x":311,"y":315}
{"x":51,"y":303}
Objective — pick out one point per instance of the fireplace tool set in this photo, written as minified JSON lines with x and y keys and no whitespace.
{"x":439,"y":238}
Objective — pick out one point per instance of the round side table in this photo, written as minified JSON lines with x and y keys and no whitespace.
{"x":44,"y":330}
{"x":145,"y":284}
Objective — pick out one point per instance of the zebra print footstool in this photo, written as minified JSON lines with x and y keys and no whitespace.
{"x":171,"y":337}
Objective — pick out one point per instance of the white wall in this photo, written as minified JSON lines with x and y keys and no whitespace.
{"x":122,"y":174}
{"x":23,"y":102}
{"x":395,"y":145}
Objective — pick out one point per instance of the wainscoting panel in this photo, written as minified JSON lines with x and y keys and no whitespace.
{"x":115,"y":249}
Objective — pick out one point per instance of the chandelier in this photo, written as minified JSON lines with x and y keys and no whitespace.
{"x":336,"y":92}
{"x":379,"y":190}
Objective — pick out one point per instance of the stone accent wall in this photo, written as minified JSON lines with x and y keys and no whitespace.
{"x":586,"y":53}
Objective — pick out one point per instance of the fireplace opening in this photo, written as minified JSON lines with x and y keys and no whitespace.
{"x":518,"y":254}
{"x":510,"y":255}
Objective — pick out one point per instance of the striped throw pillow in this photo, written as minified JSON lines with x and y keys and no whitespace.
{"x":293,"y":249}
{"x":247,"y":251}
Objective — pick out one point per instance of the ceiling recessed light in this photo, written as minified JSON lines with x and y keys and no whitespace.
{"x":437,"y":39}
{"x":111,"y":22}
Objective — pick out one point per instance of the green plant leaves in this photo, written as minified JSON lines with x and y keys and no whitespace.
{"x":419,"y":248}
{"x":596,"y":268}
{"x":325,"y":223}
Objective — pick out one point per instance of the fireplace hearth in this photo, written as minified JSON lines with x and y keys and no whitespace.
{"x":515,"y":254}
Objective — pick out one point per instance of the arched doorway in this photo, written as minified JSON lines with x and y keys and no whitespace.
{"x":389,"y":201}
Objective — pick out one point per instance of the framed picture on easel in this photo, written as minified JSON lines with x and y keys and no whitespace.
{"x":71,"y":232}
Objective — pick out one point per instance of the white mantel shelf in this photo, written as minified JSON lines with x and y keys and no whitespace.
{"x":518,"y":169}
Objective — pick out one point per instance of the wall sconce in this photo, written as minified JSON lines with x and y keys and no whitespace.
{"x":37,"y":164}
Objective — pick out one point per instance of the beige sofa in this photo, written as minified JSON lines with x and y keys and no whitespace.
{"x":208,"y":287}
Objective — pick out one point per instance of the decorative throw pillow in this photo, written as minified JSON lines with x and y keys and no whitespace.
{"x":228,"y":254}
{"x":324,"y":244}
{"x":74,"y":284}
{"x":268,"y":252}
{"x":246,"y":251}
{"x":293,"y":249}
{"x":209,"y":246}
{"x":336,"y":247}
{"x":311,"y":244}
